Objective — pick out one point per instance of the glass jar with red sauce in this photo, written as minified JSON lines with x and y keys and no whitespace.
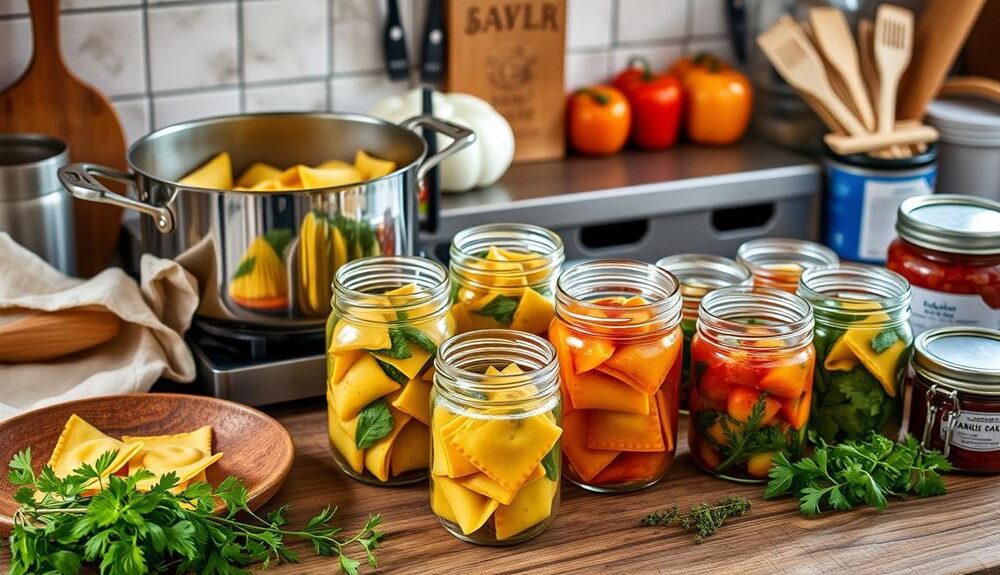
{"x":778,"y":262}
{"x":618,"y":338}
{"x":752,"y":380}
{"x":956,"y":395}
{"x":949,"y":250}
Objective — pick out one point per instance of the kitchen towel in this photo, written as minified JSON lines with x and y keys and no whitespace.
{"x":155,"y":314}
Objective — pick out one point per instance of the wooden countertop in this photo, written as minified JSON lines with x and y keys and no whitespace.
{"x":956,"y":533}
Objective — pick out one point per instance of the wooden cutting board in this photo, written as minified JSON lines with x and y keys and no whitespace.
{"x":49,"y":99}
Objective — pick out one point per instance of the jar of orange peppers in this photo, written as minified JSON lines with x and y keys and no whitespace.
{"x":617,"y":334}
{"x":698,"y":275}
{"x":778,"y":262}
{"x":390,"y":315}
{"x":503,"y":276}
{"x":495,"y":428}
{"x":752,"y":380}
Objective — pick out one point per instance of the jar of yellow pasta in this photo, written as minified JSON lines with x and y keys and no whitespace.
{"x":495,"y":428}
{"x":390,"y":315}
{"x":503,"y":276}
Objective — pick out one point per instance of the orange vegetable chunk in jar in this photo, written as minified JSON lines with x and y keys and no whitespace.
{"x":503,"y":277}
{"x":779,"y":262}
{"x":618,"y":338}
{"x":751,"y":380}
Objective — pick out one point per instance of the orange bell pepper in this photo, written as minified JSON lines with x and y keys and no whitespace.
{"x":598,"y":120}
{"x":718,"y":100}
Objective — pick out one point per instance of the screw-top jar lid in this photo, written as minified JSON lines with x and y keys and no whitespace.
{"x":951,"y":223}
{"x":964,"y":358}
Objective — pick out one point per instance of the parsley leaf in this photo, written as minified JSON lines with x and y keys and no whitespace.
{"x":883,"y":341}
{"x":399,"y":349}
{"x":551,"y":464}
{"x":501,"y":309}
{"x":374,"y":423}
{"x":419,"y":338}
{"x":393,"y":373}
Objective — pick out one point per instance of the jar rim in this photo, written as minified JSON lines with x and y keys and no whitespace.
{"x":918,"y":223}
{"x":724,"y":314}
{"x":757,"y":255}
{"x":618,"y":277}
{"x":459,"y":355}
{"x":705,"y":270}
{"x":940,"y":361}
{"x":468,"y":244}
{"x":360,"y":286}
{"x":872,"y":289}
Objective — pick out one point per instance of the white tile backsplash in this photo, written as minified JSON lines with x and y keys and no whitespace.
{"x":652,"y":20}
{"x":307,"y":96}
{"x":8,"y":7}
{"x":106,"y":49}
{"x":178,"y":108}
{"x":720,"y":47}
{"x":193,"y":46}
{"x":586,"y":69}
{"x":133,"y":113}
{"x":361,"y":93}
{"x":285,"y":39}
{"x":357,"y":34}
{"x":588,"y":24}
{"x":15,"y":49}
{"x":659,"y":57}
{"x":708,"y":17}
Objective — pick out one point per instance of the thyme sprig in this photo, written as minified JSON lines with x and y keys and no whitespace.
{"x":704,"y":519}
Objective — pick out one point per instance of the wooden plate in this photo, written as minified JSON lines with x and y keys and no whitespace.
{"x":258,"y":450}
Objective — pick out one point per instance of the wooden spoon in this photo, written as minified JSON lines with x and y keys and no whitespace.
{"x":833,"y":37}
{"x":49,"y":99}
{"x":42,"y":336}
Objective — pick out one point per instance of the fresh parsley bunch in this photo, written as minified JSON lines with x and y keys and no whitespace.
{"x":123,"y":531}
{"x":858,"y":472}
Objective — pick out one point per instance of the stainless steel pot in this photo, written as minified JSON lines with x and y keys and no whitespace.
{"x":265,"y":260}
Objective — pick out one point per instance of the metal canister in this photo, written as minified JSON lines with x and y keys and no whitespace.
{"x":34,"y":208}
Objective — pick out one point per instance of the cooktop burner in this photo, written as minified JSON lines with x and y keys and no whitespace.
{"x":258,"y":368}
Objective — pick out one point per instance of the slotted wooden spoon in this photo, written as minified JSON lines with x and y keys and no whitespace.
{"x":49,"y":99}
{"x":893,"y":48}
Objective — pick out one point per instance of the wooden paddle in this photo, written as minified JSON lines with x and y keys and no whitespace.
{"x":49,"y":99}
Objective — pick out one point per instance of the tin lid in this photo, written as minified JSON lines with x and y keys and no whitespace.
{"x":705,"y":271}
{"x":964,"y":358}
{"x":28,"y":164}
{"x":951,"y":223}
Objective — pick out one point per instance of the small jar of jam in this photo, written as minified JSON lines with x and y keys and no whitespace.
{"x":956,"y":395}
{"x":503,"y":276}
{"x":389,"y":316}
{"x":949,"y":250}
{"x":778,"y":262}
{"x":617,"y":334}
{"x":863,"y":343}
{"x":496,"y":415}
{"x":699,"y":274}
{"x":752,"y":381}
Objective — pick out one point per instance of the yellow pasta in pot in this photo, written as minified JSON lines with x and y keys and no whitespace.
{"x":258,"y":172}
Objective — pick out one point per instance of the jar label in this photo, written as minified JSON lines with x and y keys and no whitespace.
{"x":976,"y":431}
{"x":938,"y":309}
{"x":878,"y":215}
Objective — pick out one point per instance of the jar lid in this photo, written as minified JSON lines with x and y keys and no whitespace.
{"x":951,"y":223}
{"x":705,"y":270}
{"x":965,"y":358}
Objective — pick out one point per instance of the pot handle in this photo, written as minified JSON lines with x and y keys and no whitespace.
{"x":79,"y":180}
{"x":461,"y":137}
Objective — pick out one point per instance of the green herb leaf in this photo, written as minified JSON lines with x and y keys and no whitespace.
{"x":704,"y":520}
{"x":246,"y":267}
{"x":279,"y":239}
{"x":393,"y":373}
{"x":419,"y":338}
{"x":399,"y":349}
{"x":883,"y":341}
{"x":374,"y":423}
{"x":501,"y":309}
{"x":551,"y":464}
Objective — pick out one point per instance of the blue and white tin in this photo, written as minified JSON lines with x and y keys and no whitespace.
{"x":863,"y":195}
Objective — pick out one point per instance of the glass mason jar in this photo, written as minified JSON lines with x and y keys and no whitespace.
{"x":949,"y":250}
{"x":778,"y":262}
{"x":389,"y":316}
{"x":503,"y":276}
{"x":617,"y":334}
{"x":863,"y":343}
{"x":699,"y":274}
{"x":495,"y":428}
{"x":751,"y":381}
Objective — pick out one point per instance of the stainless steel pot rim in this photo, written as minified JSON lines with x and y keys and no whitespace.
{"x":182,"y":126}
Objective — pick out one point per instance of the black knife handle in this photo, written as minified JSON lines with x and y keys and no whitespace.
{"x":432,"y":181}
{"x":432,"y":67}
{"x":397,"y":63}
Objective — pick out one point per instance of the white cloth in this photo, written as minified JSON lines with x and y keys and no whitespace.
{"x":150,"y":344}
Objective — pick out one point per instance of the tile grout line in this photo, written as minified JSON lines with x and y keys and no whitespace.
{"x":148,"y":53}
{"x":241,"y":64}
{"x":328,"y":80}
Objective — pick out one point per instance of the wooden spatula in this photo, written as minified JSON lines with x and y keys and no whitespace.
{"x":793,"y":55}
{"x":834,"y":39}
{"x":893,"y":47}
{"x":49,"y":99}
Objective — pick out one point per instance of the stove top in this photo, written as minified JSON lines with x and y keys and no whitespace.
{"x":258,"y":368}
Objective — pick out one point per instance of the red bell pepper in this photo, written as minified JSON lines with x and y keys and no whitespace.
{"x":656,"y":102}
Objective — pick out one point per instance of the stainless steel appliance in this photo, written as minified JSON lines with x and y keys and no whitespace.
{"x":34,"y":210}
{"x":284,"y":246}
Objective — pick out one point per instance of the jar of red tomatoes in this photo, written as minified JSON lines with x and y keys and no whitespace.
{"x":699,"y":274}
{"x":949,"y":249}
{"x":956,"y":395}
{"x":778,"y":262}
{"x":752,"y":380}
{"x":617,"y":335}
